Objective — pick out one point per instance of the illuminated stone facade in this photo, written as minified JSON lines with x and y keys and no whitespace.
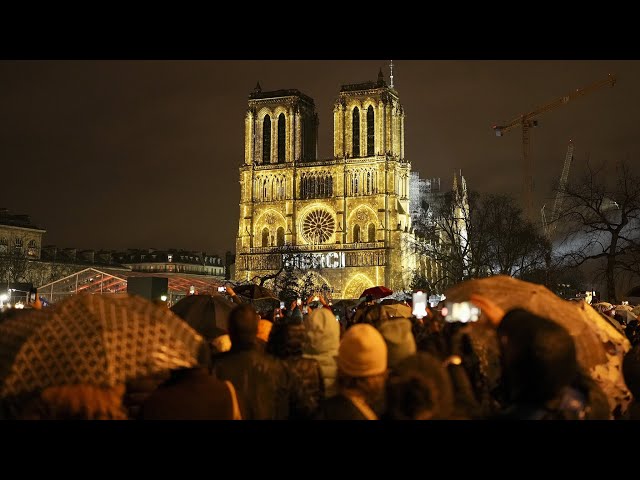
{"x":18,"y":236}
{"x":351,"y":211}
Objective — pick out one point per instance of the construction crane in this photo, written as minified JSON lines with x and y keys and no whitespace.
{"x":549,"y":228}
{"x":526,"y":121}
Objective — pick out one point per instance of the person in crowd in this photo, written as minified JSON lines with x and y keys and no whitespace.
{"x":322,"y":342}
{"x":261,"y":382}
{"x":294,"y":314}
{"x":307,"y":386}
{"x":362,"y":371}
{"x":399,"y":339}
{"x":373,"y":315}
{"x":540,"y":369}
{"x":633,"y":332}
{"x":419,"y":388}
{"x":77,"y":402}
{"x":233,"y":295}
{"x":192,"y":394}
{"x":264,"y":328}
{"x":631,"y":372}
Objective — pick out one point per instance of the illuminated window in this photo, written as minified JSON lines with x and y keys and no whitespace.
{"x":32,"y":248}
{"x":356,"y":233}
{"x":282,"y":138}
{"x":265,"y":237}
{"x":266,"y":139}
{"x":4,"y":244}
{"x":371,"y":237}
{"x":370,"y":131}
{"x":356,"y":132}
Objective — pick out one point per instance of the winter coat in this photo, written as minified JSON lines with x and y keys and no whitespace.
{"x":339,"y":407}
{"x":307,"y":386}
{"x":262,"y":382}
{"x":139,"y":390}
{"x":191,"y":394}
{"x":322,"y":342}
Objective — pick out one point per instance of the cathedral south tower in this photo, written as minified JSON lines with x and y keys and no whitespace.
{"x":349,"y":213}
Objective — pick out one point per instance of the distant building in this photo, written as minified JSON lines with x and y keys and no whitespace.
{"x":171,"y":261}
{"x":19,"y":236}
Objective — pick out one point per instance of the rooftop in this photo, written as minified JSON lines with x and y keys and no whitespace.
{"x":354,"y":87}
{"x":291,"y":92}
{"x":16,"y":220}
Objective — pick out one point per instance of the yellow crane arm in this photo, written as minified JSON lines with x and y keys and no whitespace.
{"x":558,"y":102}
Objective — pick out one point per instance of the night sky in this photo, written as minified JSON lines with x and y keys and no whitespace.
{"x":139,"y":154}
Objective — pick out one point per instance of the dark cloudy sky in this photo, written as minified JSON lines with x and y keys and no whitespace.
{"x":136,"y":154}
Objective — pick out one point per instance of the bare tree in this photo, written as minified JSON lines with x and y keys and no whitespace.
{"x":477,"y":236}
{"x":14,"y":263}
{"x":600,"y":221}
{"x":514,"y":245}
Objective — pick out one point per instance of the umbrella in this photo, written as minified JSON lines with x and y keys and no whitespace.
{"x":254,"y":292}
{"x":591,"y":331}
{"x":397,"y":310}
{"x":206,"y":314}
{"x":92,"y":339}
{"x":628,"y":308}
{"x":636,"y":311}
{"x":377,"y":292}
{"x":625,"y":315}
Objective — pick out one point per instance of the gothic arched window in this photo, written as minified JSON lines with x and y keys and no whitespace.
{"x":371,"y":237}
{"x":280,"y":237}
{"x":265,"y":237}
{"x":282,"y":138}
{"x":356,"y":233}
{"x":266,"y":139}
{"x":370,"y":132}
{"x":356,"y":132}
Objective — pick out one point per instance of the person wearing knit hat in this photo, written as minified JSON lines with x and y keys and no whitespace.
{"x":264,"y":327}
{"x":399,"y":339}
{"x":362,"y":370}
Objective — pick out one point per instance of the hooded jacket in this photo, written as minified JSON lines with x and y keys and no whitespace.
{"x":322,"y":342}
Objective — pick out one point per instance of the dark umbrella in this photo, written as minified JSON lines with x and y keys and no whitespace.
{"x":377,"y":292}
{"x":254,"y":292}
{"x":206,"y":314}
{"x":625,"y":315}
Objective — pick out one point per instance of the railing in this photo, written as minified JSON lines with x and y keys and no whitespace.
{"x":327,"y":247}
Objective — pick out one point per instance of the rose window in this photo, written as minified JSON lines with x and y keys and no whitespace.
{"x":318,"y":226}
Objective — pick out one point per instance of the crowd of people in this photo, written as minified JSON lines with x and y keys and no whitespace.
{"x":377,"y":362}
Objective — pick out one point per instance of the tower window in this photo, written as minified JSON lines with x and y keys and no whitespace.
{"x":370,"y":132}
{"x":356,"y":132}
{"x":282,"y":138}
{"x":266,"y":139}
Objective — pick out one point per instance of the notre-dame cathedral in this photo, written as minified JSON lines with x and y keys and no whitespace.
{"x":349,"y":213}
